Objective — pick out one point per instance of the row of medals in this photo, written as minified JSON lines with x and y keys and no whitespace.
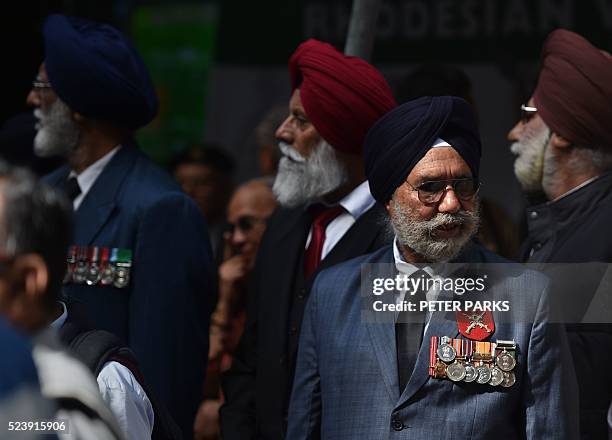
{"x":101,"y":271}
{"x":456,"y":359}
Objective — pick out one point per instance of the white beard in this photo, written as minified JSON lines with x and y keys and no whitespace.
{"x":529,"y":165}
{"x":58,"y":134}
{"x":301,"y":180}
{"x":416,"y":234}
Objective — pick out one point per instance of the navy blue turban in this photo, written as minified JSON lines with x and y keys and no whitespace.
{"x":400,"y":139}
{"x":97,"y":72}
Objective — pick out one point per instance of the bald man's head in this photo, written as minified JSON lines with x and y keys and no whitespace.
{"x":249,"y":208}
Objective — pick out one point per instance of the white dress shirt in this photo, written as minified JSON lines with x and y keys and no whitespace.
{"x":88,"y":176}
{"x":355,"y":203}
{"x":123,"y":394}
{"x":408,"y":269}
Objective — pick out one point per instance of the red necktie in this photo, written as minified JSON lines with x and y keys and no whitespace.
{"x":312,"y":257}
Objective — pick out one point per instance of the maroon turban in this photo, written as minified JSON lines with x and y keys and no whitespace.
{"x":574,"y":91}
{"x":343,"y":96}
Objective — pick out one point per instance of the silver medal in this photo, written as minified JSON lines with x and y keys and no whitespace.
{"x":122,"y":277}
{"x":497,"y":376}
{"x":470,"y":373}
{"x":446,"y":352}
{"x":80,"y":272}
{"x":484,"y":374}
{"x":455,"y":371}
{"x":505,"y":361}
{"x":108,"y":274}
{"x":93,"y":275}
{"x":509,"y":379}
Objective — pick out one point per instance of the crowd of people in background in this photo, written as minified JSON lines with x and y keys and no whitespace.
{"x":182,"y":303}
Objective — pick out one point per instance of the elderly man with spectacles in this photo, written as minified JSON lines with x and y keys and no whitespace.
{"x":141,"y":256}
{"x":421,"y":367}
{"x":563,"y":144}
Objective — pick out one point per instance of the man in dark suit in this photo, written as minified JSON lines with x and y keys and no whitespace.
{"x":564,"y":164}
{"x":327,"y":215}
{"x":366,"y":371}
{"x":141,"y":261}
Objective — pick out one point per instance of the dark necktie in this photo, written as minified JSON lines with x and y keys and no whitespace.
{"x":409,"y":330}
{"x":71,"y":188}
{"x":323,"y":217}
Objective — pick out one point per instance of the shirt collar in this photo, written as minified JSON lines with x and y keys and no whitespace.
{"x":358,"y":201}
{"x":573,"y":190}
{"x":59,"y":322}
{"x":401,"y":264}
{"x":441,"y":269}
{"x":88,"y":176}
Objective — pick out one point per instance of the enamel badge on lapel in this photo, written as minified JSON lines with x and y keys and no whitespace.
{"x":475,"y":325}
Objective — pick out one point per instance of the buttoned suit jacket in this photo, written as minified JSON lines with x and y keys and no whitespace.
{"x":346,"y":382}
{"x":258,"y":385}
{"x":163,"y":314}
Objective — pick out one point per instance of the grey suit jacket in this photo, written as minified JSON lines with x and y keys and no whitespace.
{"x":346,"y":383}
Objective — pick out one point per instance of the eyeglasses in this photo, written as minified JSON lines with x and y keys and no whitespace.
{"x":527,"y":113}
{"x":432,"y":191}
{"x":245,"y":224}
{"x":40,"y":85}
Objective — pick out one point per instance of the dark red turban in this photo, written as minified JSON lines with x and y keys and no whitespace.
{"x":574,"y":91}
{"x":342,"y":95}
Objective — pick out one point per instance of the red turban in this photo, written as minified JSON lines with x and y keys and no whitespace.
{"x":574,"y":91}
{"x":342,"y":96}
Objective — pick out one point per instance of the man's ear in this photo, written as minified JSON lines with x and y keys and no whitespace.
{"x":32,"y":273}
{"x":388,"y":206}
{"x":558,"y":141}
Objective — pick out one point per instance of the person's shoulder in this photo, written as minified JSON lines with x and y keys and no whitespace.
{"x":115,"y":375}
{"x":148,"y":186}
{"x":350,"y":269}
{"x":524,"y":278}
{"x":63,"y":376}
{"x":149,"y":177}
{"x":16,"y":361}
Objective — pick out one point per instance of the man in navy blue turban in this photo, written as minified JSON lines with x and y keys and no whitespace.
{"x":141,"y":261}
{"x":367,"y":362}
{"x":408,"y":156}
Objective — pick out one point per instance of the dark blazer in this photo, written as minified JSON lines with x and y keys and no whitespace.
{"x":576,"y":229}
{"x":346,"y":383}
{"x":258,"y":385}
{"x":163,"y":313}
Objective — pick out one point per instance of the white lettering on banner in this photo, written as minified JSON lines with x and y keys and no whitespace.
{"x":449,"y":19}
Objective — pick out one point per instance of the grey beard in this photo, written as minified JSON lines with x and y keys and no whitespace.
{"x":417,"y":234}
{"x":529,"y":165}
{"x":302,"y":180}
{"x":58,"y":134}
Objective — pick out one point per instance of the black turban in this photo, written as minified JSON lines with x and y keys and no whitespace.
{"x":400,"y":139}
{"x":97,"y":72}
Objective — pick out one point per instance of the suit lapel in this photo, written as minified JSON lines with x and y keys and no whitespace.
{"x":381,"y":329}
{"x":358,"y":240}
{"x":99,"y":202}
{"x":57,"y":177}
{"x":440,"y":324}
{"x":288,"y":245}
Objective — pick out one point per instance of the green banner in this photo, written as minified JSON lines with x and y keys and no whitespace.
{"x":177,"y":42}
